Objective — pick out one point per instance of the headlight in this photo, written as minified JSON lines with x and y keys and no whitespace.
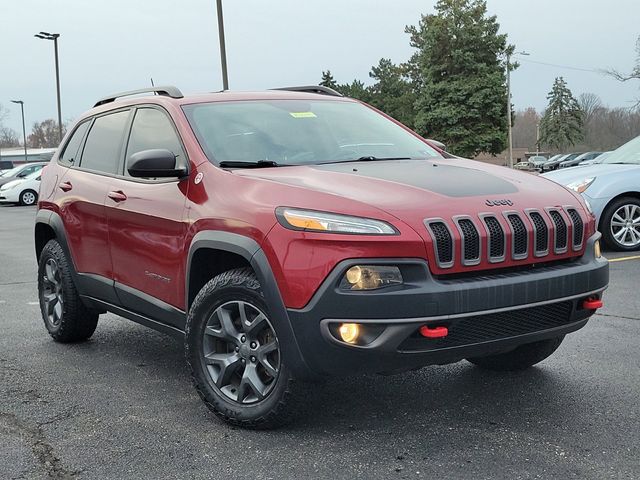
{"x":581,"y":185}
{"x":311,"y":221}
{"x":588,"y":205}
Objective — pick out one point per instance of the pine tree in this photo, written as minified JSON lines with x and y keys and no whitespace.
{"x":393,"y":92}
{"x":459,"y":73}
{"x":563,"y":120}
{"x":328,"y":80}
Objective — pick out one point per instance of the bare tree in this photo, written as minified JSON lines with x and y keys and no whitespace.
{"x":525,"y":126}
{"x":8,"y":138}
{"x":45,"y":134}
{"x":634,"y":75}
{"x":590,"y":103}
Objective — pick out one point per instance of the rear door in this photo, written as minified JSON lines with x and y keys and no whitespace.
{"x":147,"y":225}
{"x":82,"y":191}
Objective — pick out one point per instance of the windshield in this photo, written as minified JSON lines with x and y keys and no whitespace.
{"x":295,"y":132}
{"x":627,"y":153}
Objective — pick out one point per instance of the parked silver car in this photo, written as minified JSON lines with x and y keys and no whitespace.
{"x":612,"y":188}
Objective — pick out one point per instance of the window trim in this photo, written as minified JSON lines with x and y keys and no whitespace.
{"x":80,"y":146}
{"x":84,"y":143}
{"x":123,"y":156}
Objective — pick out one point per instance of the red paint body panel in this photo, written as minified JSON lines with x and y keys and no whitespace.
{"x":243,"y":202}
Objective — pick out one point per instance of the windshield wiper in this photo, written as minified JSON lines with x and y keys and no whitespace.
{"x":371,"y":158}
{"x":240,"y":164}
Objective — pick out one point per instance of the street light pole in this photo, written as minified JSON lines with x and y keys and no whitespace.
{"x":223,"y":48}
{"x":24,"y":129}
{"x":509,"y":125}
{"x":54,"y":37}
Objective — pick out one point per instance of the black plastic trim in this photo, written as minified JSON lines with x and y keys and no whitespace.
{"x":148,"y":306}
{"x":165,"y":91}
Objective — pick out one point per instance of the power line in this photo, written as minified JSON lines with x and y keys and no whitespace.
{"x":591,"y":70}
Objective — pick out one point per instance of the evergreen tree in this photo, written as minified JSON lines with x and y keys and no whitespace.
{"x":459,"y":75}
{"x":393,"y":92}
{"x":563,"y":120}
{"x":328,"y":80}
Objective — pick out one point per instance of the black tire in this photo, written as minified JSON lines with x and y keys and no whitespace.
{"x":520,"y":358}
{"x":28,"y":198}
{"x":230,"y":290}
{"x":66,"y":318}
{"x":607,"y":228}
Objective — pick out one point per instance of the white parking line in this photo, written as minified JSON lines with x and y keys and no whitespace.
{"x":33,"y":303}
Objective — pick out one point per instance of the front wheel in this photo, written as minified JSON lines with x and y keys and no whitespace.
{"x":520,"y":358}
{"x":233,"y":351}
{"x":620,"y":224}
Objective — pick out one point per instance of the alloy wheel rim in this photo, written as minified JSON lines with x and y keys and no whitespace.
{"x":625,"y":225}
{"x":28,"y":198}
{"x":52,"y":292}
{"x":241,"y":352}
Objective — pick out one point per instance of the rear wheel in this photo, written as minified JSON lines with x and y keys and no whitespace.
{"x":28,"y":197}
{"x":65,"y":316}
{"x":620,"y":224}
{"x":234,"y":354}
{"x":520,"y":358}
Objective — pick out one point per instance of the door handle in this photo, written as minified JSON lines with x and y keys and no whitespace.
{"x":117,"y":196}
{"x":65,"y":186}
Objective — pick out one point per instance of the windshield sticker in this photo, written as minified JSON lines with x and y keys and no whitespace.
{"x":302,"y":114}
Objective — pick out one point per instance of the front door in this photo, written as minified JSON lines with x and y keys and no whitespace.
{"x":147,"y":227}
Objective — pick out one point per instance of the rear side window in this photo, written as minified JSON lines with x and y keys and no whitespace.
{"x":71,"y":150}
{"x":152,"y":129}
{"x":104,"y":143}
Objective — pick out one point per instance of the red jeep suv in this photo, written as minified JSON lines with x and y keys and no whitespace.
{"x":296,"y":233}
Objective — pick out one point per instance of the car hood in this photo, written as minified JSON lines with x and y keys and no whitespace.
{"x":580,"y":172}
{"x":413,"y":190}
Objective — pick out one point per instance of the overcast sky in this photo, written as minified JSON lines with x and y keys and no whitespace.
{"x":113,"y":45}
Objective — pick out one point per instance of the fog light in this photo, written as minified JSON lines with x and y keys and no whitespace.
{"x":596,"y":249}
{"x":371,"y":277}
{"x":349,"y":332}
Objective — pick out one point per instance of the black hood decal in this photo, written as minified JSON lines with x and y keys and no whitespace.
{"x":439,"y":178}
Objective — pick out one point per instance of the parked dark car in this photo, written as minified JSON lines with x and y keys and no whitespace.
{"x":555,"y":163}
{"x":580,"y":158}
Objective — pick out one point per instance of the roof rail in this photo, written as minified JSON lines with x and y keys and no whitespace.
{"x":313,"y":89}
{"x":167,"y":91}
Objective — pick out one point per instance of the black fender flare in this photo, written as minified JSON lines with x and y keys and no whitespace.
{"x":250,"y":250}
{"x":53,"y":220}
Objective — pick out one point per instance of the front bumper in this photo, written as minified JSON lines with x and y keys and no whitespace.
{"x":485,"y":312}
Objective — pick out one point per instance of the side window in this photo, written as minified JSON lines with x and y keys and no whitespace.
{"x":153,"y":129}
{"x":70,"y":152}
{"x":103,"y":146}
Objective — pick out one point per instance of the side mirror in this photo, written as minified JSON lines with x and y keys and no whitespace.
{"x":438,"y":144}
{"x":155,"y":163}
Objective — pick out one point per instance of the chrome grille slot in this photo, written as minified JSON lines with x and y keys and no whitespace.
{"x":470,"y":241}
{"x":541,"y":234}
{"x":561,"y":235}
{"x":443,"y":242}
{"x":520,"y":239}
{"x":578,"y":228}
{"x":496,"y":241}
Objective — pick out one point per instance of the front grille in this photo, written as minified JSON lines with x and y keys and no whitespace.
{"x":467,"y":241}
{"x":470,"y":240}
{"x":443,"y":241}
{"x":520,"y":239}
{"x":578,"y":228}
{"x":495,"y":326}
{"x":496,"y":238}
{"x":542,"y":233}
{"x":561,"y":230}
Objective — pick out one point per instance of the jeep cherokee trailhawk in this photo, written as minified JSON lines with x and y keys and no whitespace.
{"x":296,"y":233}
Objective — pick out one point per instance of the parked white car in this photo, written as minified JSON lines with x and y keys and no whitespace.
{"x":23,"y":191}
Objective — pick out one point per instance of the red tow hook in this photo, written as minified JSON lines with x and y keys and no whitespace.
{"x":435,"y":332}
{"x":592,"y":304}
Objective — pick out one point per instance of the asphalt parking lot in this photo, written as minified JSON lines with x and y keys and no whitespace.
{"x":122,"y":405}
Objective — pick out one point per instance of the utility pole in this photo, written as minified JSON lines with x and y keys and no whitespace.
{"x":24,"y":129}
{"x":509,"y":125}
{"x":54,"y":37}
{"x":223,"y":48}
